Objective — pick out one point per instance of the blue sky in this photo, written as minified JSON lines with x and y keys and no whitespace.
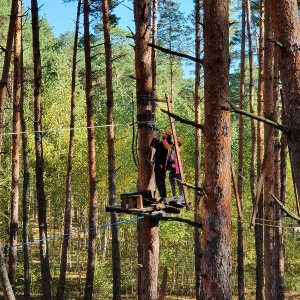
{"x":61,"y":17}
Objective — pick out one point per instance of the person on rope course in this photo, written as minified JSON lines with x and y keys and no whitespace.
{"x":161,"y":143}
{"x":174,"y":173}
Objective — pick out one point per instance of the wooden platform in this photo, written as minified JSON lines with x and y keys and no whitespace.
{"x":154,"y":208}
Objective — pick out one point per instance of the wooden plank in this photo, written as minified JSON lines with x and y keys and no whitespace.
{"x":119,"y":208}
{"x":144,"y":210}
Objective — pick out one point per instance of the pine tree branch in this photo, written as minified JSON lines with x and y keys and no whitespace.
{"x":198,"y":189}
{"x":182,"y":120}
{"x":176,"y":53}
{"x":231,"y":108}
{"x":284,"y":208}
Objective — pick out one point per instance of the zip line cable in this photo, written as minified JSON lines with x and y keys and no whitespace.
{"x":65,"y":129}
{"x":72,"y":233}
{"x":114,"y":224}
{"x":148,"y":123}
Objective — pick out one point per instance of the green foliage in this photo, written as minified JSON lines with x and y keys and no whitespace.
{"x":4,"y":21}
{"x":176,"y":239}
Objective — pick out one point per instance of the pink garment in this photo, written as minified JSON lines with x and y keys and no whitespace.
{"x":166,"y":144}
{"x":175,"y":161}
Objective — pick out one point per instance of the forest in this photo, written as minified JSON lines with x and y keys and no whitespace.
{"x":78,"y":113}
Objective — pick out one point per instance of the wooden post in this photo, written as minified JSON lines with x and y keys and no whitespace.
{"x":177,"y":150}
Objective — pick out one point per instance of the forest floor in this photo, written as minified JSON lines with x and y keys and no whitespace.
{"x":288,"y":296}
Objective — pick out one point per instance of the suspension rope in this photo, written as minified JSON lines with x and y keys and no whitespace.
{"x":67,"y":129}
{"x":76,"y":232}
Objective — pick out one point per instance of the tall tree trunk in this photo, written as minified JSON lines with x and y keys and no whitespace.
{"x":25,"y":203}
{"x":39,"y":167}
{"x":283,"y":185}
{"x":197,"y":211}
{"x":286,"y":22}
{"x":68,"y":202}
{"x":6,"y":66}
{"x":216,"y":228}
{"x":279,"y":247}
{"x":4,"y":281}
{"x":148,"y":249}
{"x":258,"y":230}
{"x":93,"y":216}
{"x":287,"y":25}
{"x":153,"y":50}
{"x":251,"y":100}
{"x":148,"y":239}
{"x":15,"y":155}
{"x":240,"y":250}
{"x":116,"y":261}
{"x":269,"y":205}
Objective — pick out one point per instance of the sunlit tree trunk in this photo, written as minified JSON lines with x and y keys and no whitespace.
{"x":6,"y":66}
{"x":283,"y":187}
{"x":197,"y":217}
{"x":216,"y":224}
{"x":287,"y":25}
{"x":15,"y":155}
{"x":93,"y":217}
{"x":116,"y":261}
{"x":68,"y":201}
{"x":4,"y":281}
{"x":39,"y":167}
{"x":153,"y":50}
{"x":258,"y":229}
{"x":279,"y":266}
{"x":269,"y":205}
{"x":148,"y":239}
{"x":25,"y":203}
{"x":240,"y":249}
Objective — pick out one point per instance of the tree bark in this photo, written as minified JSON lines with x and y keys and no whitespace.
{"x":39,"y":167}
{"x":148,"y":249}
{"x":153,"y":49}
{"x":116,"y":261}
{"x":144,"y":94}
{"x":279,"y":217}
{"x":25,"y":203}
{"x":93,"y":216}
{"x":15,"y":155}
{"x":269,"y":207}
{"x":258,"y":230}
{"x":68,"y":200}
{"x":197,"y":210}
{"x":148,"y":238}
{"x":240,"y":249}
{"x":287,"y":25}
{"x":216,"y":234}
{"x":4,"y":281}
{"x":6,"y":67}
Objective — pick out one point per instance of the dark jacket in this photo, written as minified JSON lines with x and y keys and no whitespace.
{"x":161,"y":152}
